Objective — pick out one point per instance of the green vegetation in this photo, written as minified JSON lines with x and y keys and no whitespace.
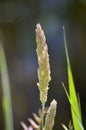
{"x":6,"y":96}
{"x":46,"y":116}
{"x":44,"y":79}
{"x":72,"y":96}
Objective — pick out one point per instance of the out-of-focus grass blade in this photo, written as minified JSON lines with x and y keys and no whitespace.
{"x":72,"y":96}
{"x":6,"y":97}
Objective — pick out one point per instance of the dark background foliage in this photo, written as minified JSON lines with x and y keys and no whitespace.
{"x":18,"y":19}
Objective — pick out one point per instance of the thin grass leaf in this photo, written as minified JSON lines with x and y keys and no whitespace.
{"x":74,"y":103}
{"x":71,"y":103}
{"x":65,"y":128}
{"x":69,"y":128}
{"x":79,"y":103}
{"x":70,"y":125}
{"x":6,"y":97}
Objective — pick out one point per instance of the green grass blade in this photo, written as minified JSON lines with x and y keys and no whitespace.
{"x":73,"y":108}
{"x":6,"y":97}
{"x":74,"y":103}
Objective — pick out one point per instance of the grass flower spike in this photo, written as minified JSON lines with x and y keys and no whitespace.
{"x":50,"y":118}
{"x":43,"y":62}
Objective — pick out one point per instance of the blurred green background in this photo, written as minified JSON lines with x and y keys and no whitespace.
{"x":18,"y":19}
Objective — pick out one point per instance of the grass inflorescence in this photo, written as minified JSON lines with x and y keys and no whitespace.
{"x":45,"y":118}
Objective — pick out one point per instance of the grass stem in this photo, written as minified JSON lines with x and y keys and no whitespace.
{"x":6,"y":97}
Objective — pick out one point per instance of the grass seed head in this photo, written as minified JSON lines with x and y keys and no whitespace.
{"x":43,"y":62}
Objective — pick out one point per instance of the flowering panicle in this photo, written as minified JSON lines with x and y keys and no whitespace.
{"x":43,"y":62}
{"x":50,"y":117}
{"x":44,"y":78}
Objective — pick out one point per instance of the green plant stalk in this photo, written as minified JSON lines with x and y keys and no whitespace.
{"x":6,"y":97}
{"x":43,"y":107}
{"x":72,"y":96}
